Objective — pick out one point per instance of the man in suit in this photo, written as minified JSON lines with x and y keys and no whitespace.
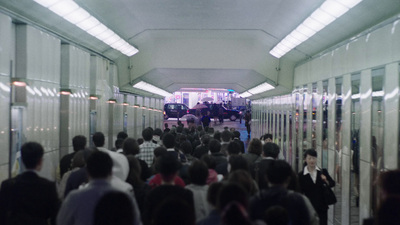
{"x":78,"y":208}
{"x":27,"y":198}
{"x":259,"y":169}
{"x":78,"y":143}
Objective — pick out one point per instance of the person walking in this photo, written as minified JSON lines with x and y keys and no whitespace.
{"x":247,"y":119}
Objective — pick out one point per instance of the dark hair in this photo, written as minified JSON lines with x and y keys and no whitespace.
{"x":214,"y":146}
{"x":131,"y":147}
{"x":236,"y":134}
{"x":135,"y":171}
{"x":168,"y":140}
{"x":205,"y":139}
{"x":118,"y":143}
{"x":388,"y":212}
{"x":122,"y":135}
{"x":389,"y":181}
{"x":79,"y":158}
{"x":213,"y":193}
{"x":159,"y":151}
{"x":168,"y":164}
{"x":140,"y":141}
{"x":114,"y":208}
{"x":31,"y":153}
{"x":255,"y":146}
{"x":310,"y":152}
{"x":237,"y":162}
{"x":99,"y":165}
{"x":147,"y":134}
{"x":198,"y":172}
{"x":186,"y":147}
{"x":276,"y":215}
{"x":98,"y":139}
{"x":209,"y":160}
{"x":266,"y":136}
{"x":217,"y":135}
{"x":226,"y":135}
{"x":234,"y":148}
{"x":232,"y":204}
{"x":79,"y":142}
{"x":174,"y":211}
{"x":271,"y":150}
{"x":278,"y":172}
{"x":244,"y":179}
{"x":157,"y":132}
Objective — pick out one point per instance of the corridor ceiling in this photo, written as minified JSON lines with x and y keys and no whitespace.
{"x":205,"y":43}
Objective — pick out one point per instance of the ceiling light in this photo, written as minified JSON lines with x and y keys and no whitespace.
{"x":328,"y":12}
{"x":152,"y":89}
{"x":65,"y":91}
{"x":261,"y":88}
{"x":94,"y":97}
{"x":125,"y":104}
{"x":19,"y":82}
{"x":245,"y":94}
{"x":112,"y":101}
{"x":63,"y":8}
{"x":74,"y":14}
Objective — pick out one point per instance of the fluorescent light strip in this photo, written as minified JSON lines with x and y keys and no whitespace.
{"x":150,"y":88}
{"x":74,"y":14}
{"x":328,"y":12}
{"x":258,"y":89}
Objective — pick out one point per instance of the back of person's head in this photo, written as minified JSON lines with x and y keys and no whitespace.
{"x":174,"y":211}
{"x":237,"y":162}
{"x":114,"y":208}
{"x":234,"y":148}
{"x":118,"y":143}
{"x":232,"y":204}
{"x":130,"y":147}
{"x":209,"y":160}
{"x":147,"y":134}
{"x":244,"y":179}
{"x":226,"y":136}
{"x":79,"y":159}
{"x":122,"y":135}
{"x":276,"y":215}
{"x":179,"y":129}
{"x":186,"y":147}
{"x":217,"y":135}
{"x":157,"y":132}
{"x":268,"y":136}
{"x":98,"y":139}
{"x":32,"y":154}
{"x":99,"y":165}
{"x":168,"y":165}
{"x":198,"y":172}
{"x":159,"y":151}
{"x":236,"y":134}
{"x":205,"y":139}
{"x":140,"y":141}
{"x":213,"y":193}
{"x":255,"y":146}
{"x":389,"y":182}
{"x":79,"y":142}
{"x":214,"y":146}
{"x":270,"y":150}
{"x":389,"y":211}
{"x":166,"y":125}
{"x":279,"y":172}
{"x":168,"y":140}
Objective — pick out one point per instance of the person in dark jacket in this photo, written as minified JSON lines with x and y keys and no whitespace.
{"x":28,"y":198}
{"x":312,"y":181}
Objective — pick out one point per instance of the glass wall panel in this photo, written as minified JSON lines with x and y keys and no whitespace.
{"x":314,"y":102}
{"x":325,"y":124}
{"x":338,"y":149}
{"x":297,"y":128}
{"x":377,"y":162}
{"x":306,"y":114}
{"x":355,"y":149}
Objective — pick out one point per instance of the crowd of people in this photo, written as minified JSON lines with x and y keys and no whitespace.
{"x":176,"y":176}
